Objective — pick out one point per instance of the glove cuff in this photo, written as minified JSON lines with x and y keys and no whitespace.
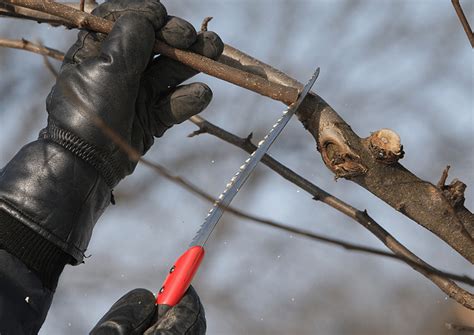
{"x":106,"y":164}
{"x":37,"y":253}
{"x":55,"y":194}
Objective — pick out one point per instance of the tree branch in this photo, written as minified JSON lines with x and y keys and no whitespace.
{"x":362,"y":217}
{"x":362,"y":160}
{"x":460,"y":328}
{"x":32,"y":47}
{"x":401,"y":252}
{"x":82,"y":20}
{"x":371,"y":165}
{"x":464,"y":22}
{"x":318,"y":194}
{"x":30,"y":14}
{"x":205,"y":23}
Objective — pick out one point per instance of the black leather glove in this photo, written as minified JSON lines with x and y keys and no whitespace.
{"x":112,"y":78}
{"x":135,"y":313}
{"x":59,"y":185}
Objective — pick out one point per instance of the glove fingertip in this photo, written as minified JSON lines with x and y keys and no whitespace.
{"x":178,"y":106}
{"x":178,"y":33}
{"x":189,"y":100}
{"x":208,"y":44}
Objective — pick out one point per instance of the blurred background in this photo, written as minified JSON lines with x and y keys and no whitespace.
{"x":405,"y":65}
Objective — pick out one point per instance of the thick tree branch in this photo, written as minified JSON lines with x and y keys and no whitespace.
{"x":347,"y":155}
{"x":371,"y":165}
{"x":82,"y":4}
{"x":362,"y":217}
{"x":437,"y":277}
{"x":83,"y":20}
{"x":403,"y":254}
{"x":361,"y":160}
{"x":246,"y":144}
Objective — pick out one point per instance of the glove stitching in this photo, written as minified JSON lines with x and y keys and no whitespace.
{"x":107,"y":166}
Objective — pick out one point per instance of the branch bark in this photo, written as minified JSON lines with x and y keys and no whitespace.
{"x":343,"y":151}
{"x":362,"y":217}
{"x":371,"y":166}
{"x":439,"y":278}
{"x":33,"y":47}
{"x":464,"y":22}
{"x":436,"y":276}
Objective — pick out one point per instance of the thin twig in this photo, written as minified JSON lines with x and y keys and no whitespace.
{"x":205,"y":22}
{"x":81,"y":5}
{"x":417,"y":264}
{"x":444,"y":177}
{"x":50,"y":66}
{"x":47,"y":63}
{"x":33,"y":47}
{"x":82,"y":20}
{"x":133,"y":155}
{"x":464,"y":22}
{"x":449,"y":287}
{"x":436,"y":276}
{"x":164,"y":172}
{"x":186,"y":184}
{"x":460,"y":328}
{"x":318,"y":194}
{"x":442,"y":220}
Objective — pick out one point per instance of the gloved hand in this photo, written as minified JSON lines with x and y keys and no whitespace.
{"x":113,"y":78}
{"x":135,"y":313}
{"x":54,"y":190}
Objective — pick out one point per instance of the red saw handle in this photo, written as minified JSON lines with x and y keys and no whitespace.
{"x":180,"y":276}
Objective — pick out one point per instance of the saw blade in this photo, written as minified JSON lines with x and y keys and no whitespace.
{"x":245,"y":170}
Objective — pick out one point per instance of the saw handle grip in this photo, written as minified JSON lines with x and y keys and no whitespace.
{"x":180,"y":276}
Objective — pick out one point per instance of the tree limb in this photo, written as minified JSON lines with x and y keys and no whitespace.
{"x":464,"y":22}
{"x":372,"y":166}
{"x":207,"y":127}
{"x":362,"y":160}
{"x":362,"y":217}
{"x":460,"y":329}
{"x":446,"y":285}
{"x":33,"y":47}
{"x":83,"y":20}
{"x":440,"y":278}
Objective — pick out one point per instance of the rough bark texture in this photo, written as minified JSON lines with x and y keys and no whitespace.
{"x":439,"y":209}
{"x":350,"y":157}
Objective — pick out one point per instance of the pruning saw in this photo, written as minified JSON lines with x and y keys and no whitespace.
{"x":182,"y":272}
